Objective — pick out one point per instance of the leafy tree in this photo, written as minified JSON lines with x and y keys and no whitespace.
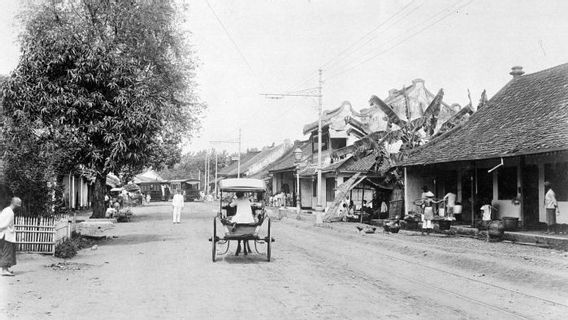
{"x":109,"y":83}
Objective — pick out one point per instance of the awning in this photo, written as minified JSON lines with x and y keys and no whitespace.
{"x":131,"y":187}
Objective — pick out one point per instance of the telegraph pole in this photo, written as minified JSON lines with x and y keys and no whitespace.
{"x":206,"y":175}
{"x":239,"y":160}
{"x":215,"y":173}
{"x":319,"y":95}
{"x":320,"y":85}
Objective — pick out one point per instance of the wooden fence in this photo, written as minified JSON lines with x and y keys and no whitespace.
{"x":40,"y":234}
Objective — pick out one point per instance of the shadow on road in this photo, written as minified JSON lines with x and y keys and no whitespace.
{"x":132,"y":239}
{"x":250,"y":259}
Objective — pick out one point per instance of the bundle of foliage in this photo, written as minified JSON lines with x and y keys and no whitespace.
{"x":66,"y":249}
{"x":411,"y":134}
{"x":123,"y":215}
{"x":106,"y":86}
{"x":70,"y":246}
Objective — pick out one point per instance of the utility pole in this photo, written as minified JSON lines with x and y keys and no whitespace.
{"x":319,"y":206}
{"x":319,"y":95}
{"x":239,"y":161}
{"x":215,"y":173}
{"x":206,"y":173}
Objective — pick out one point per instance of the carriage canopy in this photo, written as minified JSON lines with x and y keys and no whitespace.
{"x":244,"y":185}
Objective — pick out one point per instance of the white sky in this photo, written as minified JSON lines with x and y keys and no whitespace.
{"x":455,"y":45}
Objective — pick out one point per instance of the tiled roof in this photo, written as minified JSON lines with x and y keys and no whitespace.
{"x":233,"y":167}
{"x":528,"y":115}
{"x":334,"y":166}
{"x":256,"y":163}
{"x":287,"y":161}
{"x":359,"y":165}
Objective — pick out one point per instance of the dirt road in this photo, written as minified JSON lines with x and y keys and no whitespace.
{"x":156,"y":269}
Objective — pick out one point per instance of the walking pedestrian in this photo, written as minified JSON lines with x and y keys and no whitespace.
{"x":551,"y":206}
{"x":8,"y":237}
{"x":178,"y":204}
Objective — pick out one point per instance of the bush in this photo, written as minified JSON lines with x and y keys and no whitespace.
{"x":123,"y":215}
{"x":66,"y":249}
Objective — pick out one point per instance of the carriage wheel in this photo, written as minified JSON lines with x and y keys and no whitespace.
{"x":214,"y":241}
{"x":268,"y":243}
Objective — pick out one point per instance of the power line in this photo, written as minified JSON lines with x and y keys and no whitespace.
{"x":398,"y":43}
{"x":339,"y":65}
{"x":396,"y":37}
{"x":230,"y":37}
{"x":348,"y":48}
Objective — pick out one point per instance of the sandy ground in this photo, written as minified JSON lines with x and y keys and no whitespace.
{"x":157,"y":269}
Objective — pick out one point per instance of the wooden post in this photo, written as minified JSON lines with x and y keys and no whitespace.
{"x":362,"y":199}
{"x":472,"y":202}
{"x":520,"y":190}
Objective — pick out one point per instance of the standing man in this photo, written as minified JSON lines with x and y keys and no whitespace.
{"x":178,"y":204}
{"x":8,"y":237}
{"x":551,"y":206}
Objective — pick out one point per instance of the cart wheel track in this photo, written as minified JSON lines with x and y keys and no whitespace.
{"x":450,"y":292}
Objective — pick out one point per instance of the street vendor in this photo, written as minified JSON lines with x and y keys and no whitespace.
{"x":428,"y":210}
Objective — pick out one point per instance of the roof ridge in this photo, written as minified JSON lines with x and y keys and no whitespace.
{"x":560,"y":66}
{"x":527,"y":115}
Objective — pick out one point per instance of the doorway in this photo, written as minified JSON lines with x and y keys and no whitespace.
{"x":530,"y":196}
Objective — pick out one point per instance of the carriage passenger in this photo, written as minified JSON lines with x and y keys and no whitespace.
{"x":243,"y":215}
{"x":244,"y":211}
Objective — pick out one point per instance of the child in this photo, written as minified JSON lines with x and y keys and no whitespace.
{"x":486,"y":213}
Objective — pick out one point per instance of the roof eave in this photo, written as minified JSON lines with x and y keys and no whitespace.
{"x":488,"y":157}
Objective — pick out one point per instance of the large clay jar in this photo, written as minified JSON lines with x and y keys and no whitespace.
{"x":496,"y":229}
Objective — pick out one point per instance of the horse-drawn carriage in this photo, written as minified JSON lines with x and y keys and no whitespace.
{"x":241,"y":232}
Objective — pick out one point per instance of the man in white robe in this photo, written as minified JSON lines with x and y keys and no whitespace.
{"x":178,"y":204}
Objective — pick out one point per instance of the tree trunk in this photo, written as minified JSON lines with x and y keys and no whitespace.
{"x":99,"y":191}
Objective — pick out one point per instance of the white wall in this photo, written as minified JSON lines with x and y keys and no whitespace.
{"x":506,"y":208}
{"x":306,"y":192}
{"x":563,"y":207}
{"x":415,"y":180}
